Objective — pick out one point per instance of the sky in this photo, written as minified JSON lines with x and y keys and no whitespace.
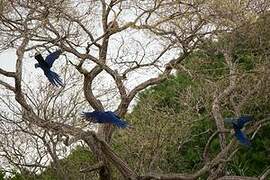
{"x":8,"y":60}
{"x":130,"y":43}
{"x":104,"y":82}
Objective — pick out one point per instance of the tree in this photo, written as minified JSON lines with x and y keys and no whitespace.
{"x":28,"y":147}
{"x":160,"y":27}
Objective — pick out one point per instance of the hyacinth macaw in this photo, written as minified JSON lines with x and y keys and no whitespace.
{"x":46,"y":65}
{"x":238,"y":124}
{"x":105,"y":117}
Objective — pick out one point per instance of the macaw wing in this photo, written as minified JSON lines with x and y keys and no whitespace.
{"x":89,"y":117}
{"x":96,"y":117}
{"x":116,"y":120}
{"x":242,"y":138}
{"x":104,"y":117}
{"x":119,"y":123}
{"x":112,"y":114}
{"x":230,"y":121}
{"x":52,"y":57}
{"x":242,"y":120}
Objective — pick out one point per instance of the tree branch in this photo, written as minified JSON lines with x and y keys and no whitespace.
{"x":7,"y":73}
{"x":9,"y":87}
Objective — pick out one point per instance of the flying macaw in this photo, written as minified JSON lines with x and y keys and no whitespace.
{"x":105,"y":117}
{"x":46,"y":65}
{"x":238,"y":124}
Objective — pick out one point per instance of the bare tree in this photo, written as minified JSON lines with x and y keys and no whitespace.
{"x":116,"y":39}
{"x":25,"y":145}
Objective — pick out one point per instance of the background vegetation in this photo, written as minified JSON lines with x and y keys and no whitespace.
{"x":175,"y":127}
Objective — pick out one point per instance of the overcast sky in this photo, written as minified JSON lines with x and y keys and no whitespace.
{"x":8,"y":59}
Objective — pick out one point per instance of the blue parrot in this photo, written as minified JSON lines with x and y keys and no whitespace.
{"x":105,"y":117}
{"x":238,"y":124}
{"x":46,"y":65}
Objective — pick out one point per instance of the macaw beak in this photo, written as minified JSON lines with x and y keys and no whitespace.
{"x":37,"y":53}
{"x":37,"y":65}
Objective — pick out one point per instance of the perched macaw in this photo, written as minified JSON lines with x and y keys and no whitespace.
{"x":238,"y":124}
{"x":105,"y":117}
{"x":46,"y":65}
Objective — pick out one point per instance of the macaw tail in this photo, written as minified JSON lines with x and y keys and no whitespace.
{"x":54,"y":78}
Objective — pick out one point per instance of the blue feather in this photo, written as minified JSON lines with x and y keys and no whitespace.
{"x":52,"y":57}
{"x":53,"y":77}
{"x":242,"y":120}
{"x":46,"y":64}
{"x":105,"y":117}
{"x":117,"y":120}
{"x":238,"y":124}
{"x":241,"y":137}
{"x":96,"y":117}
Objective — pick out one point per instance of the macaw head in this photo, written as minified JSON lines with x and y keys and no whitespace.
{"x":38,"y":55}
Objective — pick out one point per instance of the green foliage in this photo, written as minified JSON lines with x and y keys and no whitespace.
{"x":18,"y":176}
{"x":188,"y":158}
{"x":24,"y":174}
{"x":79,"y":158}
{"x":252,"y":162}
{"x":2,"y":174}
{"x":171,"y":134}
{"x":207,"y":63}
{"x":246,"y":62}
{"x":253,"y":39}
{"x":165,"y":94}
